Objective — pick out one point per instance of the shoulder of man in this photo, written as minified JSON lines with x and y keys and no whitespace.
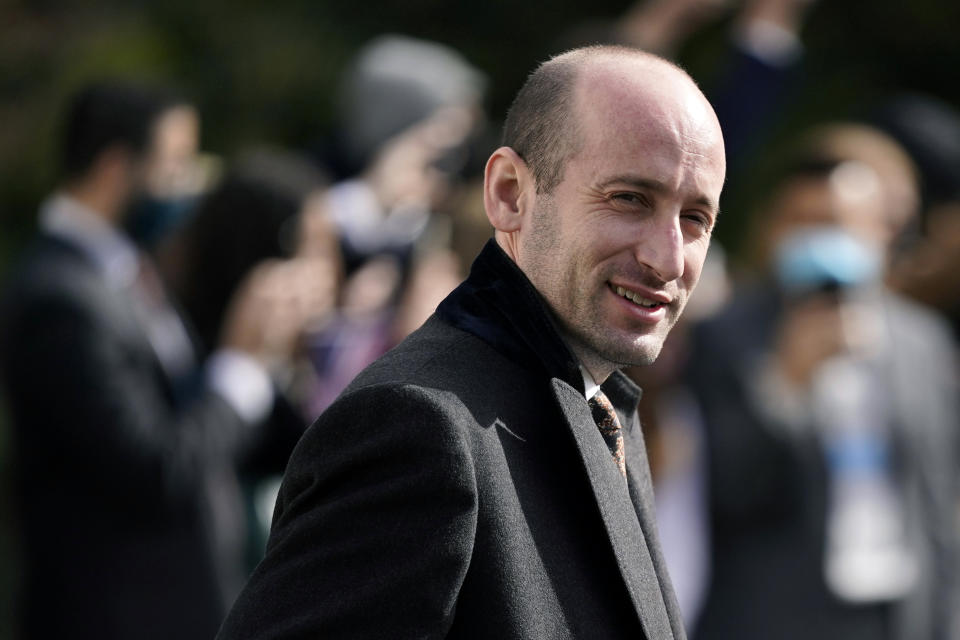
{"x":925,"y":323}
{"x":48,"y":277}
{"x":441,"y":384}
{"x":49,"y":267}
{"x":442,"y":357}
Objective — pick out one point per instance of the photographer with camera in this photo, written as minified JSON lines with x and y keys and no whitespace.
{"x":829,"y":405}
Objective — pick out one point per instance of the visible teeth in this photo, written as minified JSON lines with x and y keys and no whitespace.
{"x":637,"y":298}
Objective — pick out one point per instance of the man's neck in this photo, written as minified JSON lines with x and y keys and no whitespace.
{"x":597,"y":368}
{"x":96,"y":200}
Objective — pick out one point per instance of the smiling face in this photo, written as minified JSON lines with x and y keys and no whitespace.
{"x":617,"y":247}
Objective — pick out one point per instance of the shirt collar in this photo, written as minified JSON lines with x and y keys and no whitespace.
{"x":114,"y":254}
{"x":590,"y":387}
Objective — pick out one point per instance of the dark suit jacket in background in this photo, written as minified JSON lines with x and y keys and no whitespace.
{"x":112,"y":463}
{"x":460,"y":488}
{"x":769,"y":488}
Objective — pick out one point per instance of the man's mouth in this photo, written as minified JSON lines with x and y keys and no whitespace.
{"x":638,"y":299}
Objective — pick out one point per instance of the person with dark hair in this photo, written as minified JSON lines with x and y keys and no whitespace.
{"x":259,"y":211}
{"x":124,"y":441}
{"x":487,"y":477}
{"x":268,"y":207}
{"x":104,"y":115}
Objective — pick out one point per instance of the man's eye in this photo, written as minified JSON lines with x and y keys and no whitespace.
{"x":631,"y":198}
{"x":699,"y":219}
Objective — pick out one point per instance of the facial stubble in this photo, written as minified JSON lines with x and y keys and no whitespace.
{"x":556,"y":271}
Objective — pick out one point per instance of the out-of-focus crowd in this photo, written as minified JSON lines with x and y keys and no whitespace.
{"x":180,"y":319}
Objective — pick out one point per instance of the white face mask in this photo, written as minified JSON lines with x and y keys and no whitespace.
{"x":825,"y":257}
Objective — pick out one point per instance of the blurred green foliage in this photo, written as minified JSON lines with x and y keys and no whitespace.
{"x":266,"y":72}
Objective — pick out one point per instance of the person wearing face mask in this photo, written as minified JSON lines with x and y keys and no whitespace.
{"x":830,"y":411}
{"x":124,"y":438}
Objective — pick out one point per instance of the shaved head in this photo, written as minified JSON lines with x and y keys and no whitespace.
{"x":605,"y":194}
{"x":541,"y":124}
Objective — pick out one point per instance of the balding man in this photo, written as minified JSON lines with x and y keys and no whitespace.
{"x":487,"y":478}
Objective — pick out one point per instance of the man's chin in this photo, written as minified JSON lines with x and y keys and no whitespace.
{"x":639,"y":354}
{"x":629,"y":350}
{"x":643,"y":360}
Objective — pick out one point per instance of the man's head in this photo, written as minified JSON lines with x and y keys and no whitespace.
{"x":605,"y":194}
{"x":541,"y":124}
{"x":847,"y":176}
{"x":120,"y":139}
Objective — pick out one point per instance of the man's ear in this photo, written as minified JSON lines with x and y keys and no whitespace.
{"x":509,"y":192}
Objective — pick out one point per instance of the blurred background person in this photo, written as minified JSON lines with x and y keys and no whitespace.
{"x":830,"y":407}
{"x":407,"y":111}
{"x":268,"y":207}
{"x":927,"y":264}
{"x":410,"y":116}
{"x":125,"y":439}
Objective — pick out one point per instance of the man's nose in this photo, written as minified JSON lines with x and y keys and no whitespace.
{"x":660,"y":248}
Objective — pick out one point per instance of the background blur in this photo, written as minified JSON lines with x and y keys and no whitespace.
{"x":266,"y":73}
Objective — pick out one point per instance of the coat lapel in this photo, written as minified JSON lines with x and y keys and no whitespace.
{"x":627,"y":539}
{"x":641,"y":494}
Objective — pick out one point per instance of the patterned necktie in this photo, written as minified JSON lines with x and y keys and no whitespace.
{"x":609,"y":425}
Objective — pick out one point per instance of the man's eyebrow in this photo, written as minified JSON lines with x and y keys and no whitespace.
{"x":658,"y":186}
